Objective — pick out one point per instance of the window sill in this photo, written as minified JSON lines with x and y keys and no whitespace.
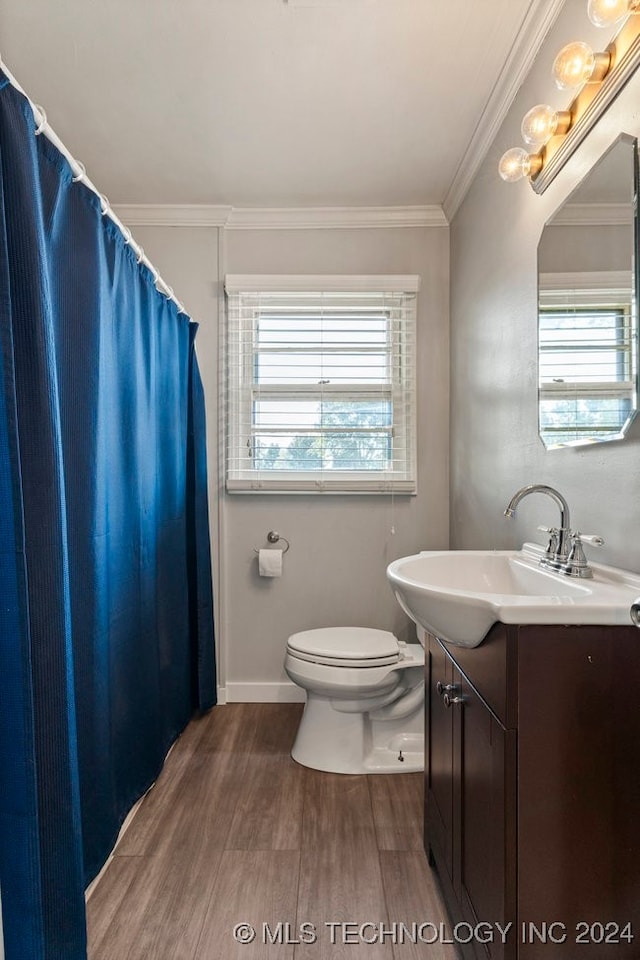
{"x":322,"y":486}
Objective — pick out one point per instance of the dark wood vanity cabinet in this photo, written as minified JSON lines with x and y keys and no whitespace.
{"x":532,"y":793}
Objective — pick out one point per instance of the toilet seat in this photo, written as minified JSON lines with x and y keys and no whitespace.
{"x":345,"y":647}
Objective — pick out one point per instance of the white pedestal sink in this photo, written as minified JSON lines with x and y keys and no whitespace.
{"x":459,"y":594}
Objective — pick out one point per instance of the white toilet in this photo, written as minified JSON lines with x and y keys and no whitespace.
{"x":365,"y":698}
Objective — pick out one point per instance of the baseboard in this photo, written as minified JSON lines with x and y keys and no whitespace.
{"x":283,"y":692}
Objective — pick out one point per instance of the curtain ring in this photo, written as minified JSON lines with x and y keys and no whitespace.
{"x":140,"y":256}
{"x":128,"y":236}
{"x":43,"y":122}
{"x":83,"y":172}
{"x":169,"y":293}
{"x":105,"y":206}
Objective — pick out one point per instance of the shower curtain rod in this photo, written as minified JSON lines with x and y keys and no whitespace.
{"x":80,"y":176}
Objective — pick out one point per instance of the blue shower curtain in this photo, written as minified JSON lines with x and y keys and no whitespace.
{"x":106,"y":610}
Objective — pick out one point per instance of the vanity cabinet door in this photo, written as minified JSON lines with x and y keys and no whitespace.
{"x":439,"y":829}
{"x":484,"y":843}
{"x":470,"y":807}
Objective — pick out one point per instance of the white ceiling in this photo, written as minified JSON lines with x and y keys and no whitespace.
{"x":272,"y":103}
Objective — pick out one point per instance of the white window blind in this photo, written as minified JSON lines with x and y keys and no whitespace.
{"x":320,"y":386}
{"x":587,"y":363}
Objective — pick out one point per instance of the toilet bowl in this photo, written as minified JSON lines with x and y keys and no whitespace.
{"x":365,"y":699}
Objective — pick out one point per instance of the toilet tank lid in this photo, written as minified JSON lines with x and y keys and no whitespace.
{"x":359,"y":643}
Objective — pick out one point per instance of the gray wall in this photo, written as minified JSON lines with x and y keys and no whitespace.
{"x":585,"y":249}
{"x":495,"y":448}
{"x":340,"y":545}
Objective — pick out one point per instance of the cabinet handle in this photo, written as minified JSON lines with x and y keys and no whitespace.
{"x":449,"y":701}
{"x":443,"y":688}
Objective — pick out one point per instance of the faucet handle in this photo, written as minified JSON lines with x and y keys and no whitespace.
{"x":577,"y":565}
{"x":554,"y":534}
{"x":591,"y":538}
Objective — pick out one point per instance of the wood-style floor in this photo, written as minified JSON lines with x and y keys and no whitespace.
{"x":235,"y":831}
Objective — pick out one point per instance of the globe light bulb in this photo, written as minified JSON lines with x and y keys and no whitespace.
{"x":605,"y":13}
{"x":577,"y":64}
{"x":543,"y":122}
{"x":514,"y":165}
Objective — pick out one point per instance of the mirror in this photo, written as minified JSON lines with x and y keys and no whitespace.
{"x":588,"y":304}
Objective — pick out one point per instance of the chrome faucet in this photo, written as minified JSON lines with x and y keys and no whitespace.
{"x":560,"y":536}
{"x":564,"y":551}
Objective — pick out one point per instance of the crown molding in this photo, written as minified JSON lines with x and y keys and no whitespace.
{"x":593,"y":215}
{"x":533,"y":31}
{"x":172,"y":214}
{"x":332,"y":218}
{"x":277,"y":218}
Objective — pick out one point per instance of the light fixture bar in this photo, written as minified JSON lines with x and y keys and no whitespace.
{"x":555,"y":134}
{"x":591,"y":102}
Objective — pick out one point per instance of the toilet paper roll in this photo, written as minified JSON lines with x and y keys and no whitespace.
{"x":270,"y":563}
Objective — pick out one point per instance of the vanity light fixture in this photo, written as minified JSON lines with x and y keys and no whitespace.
{"x":577,"y":64}
{"x":517,"y":163}
{"x":606,"y":13}
{"x":543,"y":122}
{"x":553,"y":135}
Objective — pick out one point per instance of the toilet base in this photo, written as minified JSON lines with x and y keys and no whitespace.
{"x":337,"y":742}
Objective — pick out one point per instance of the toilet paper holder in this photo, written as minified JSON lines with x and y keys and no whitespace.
{"x":274,"y":537}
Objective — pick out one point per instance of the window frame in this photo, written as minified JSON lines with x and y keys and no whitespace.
{"x":242,"y":388}
{"x":609,"y":294}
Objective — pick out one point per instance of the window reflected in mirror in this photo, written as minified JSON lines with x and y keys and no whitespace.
{"x":587,"y":306}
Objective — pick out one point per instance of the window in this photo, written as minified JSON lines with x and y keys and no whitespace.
{"x":587,"y":372}
{"x":321,"y":384}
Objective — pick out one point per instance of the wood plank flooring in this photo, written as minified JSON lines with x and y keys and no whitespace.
{"x":235,"y":831}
